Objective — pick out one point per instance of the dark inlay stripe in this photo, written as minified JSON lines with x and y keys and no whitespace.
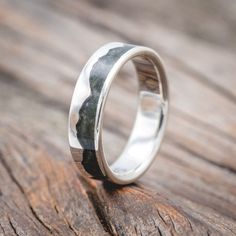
{"x":87,"y":114}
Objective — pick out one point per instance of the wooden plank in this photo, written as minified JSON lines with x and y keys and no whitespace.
{"x":40,"y":189}
{"x":190,"y":189}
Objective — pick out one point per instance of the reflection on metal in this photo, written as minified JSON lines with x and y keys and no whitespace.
{"x":87,"y":106}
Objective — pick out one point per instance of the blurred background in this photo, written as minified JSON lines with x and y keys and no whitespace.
{"x":43,"y":46}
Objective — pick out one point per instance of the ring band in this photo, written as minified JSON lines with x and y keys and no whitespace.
{"x":87,"y":108}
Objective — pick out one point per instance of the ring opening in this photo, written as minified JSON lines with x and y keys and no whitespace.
{"x":143,"y":141}
{"x":120,"y":112}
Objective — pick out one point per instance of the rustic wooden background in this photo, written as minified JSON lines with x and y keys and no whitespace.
{"x":191,"y":187}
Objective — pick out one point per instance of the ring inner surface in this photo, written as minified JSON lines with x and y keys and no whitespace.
{"x":144,"y":138}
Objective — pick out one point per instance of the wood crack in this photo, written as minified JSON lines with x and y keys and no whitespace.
{"x":13,"y":227}
{"x":100,"y":213}
{"x":159,"y":231}
{"x":96,"y":204}
{"x":161,"y":218}
{"x":157,"y":227}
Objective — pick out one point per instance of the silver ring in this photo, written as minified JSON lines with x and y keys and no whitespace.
{"x":87,"y":108}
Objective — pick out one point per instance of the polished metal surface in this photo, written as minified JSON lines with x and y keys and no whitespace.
{"x":87,"y":107}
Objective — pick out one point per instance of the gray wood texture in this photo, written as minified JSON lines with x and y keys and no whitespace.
{"x":191,"y":187}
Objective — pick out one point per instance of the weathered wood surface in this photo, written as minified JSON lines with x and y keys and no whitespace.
{"x":191,"y":187}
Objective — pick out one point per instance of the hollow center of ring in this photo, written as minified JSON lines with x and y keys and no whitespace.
{"x":120,"y":112}
{"x":129,"y":149}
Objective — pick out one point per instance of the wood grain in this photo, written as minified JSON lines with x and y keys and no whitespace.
{"x":191,"y":187}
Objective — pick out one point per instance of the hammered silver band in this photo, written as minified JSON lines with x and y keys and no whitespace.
{"x":87,"y":108}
